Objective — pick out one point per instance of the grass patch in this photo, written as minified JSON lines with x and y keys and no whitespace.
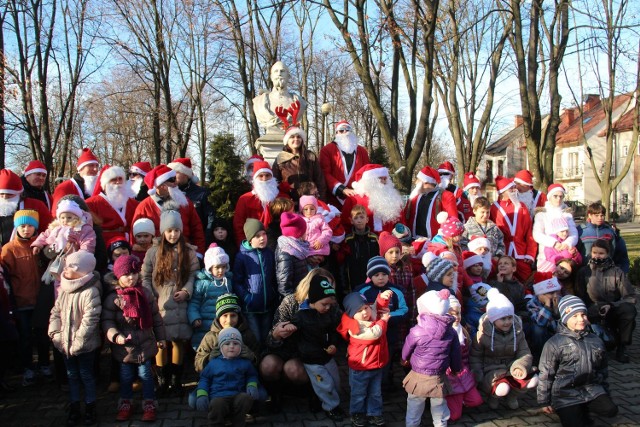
{"x":633,"y":245}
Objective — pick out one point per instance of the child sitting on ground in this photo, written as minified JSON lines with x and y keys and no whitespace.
{"x":543,"y":312}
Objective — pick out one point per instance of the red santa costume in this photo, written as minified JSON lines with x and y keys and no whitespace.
{"x":152,"y":207}
{"x":425,"y":206}
{"x":513,"y":219}
{"x":255,"y":203}
{"x":471,"y":188}
{"x":382,"y":201}
{"x":75,"y":185}
{"x":531,"y":198}
{"x":10,"y":183}
{"x":113,"y":204}
{"x":340,"y":160}
{"x":447,"y":174}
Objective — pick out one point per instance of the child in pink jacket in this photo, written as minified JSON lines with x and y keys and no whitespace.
{"x":318,"y":231}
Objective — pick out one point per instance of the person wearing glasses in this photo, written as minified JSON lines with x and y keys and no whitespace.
{"x":164,"y":194}
{"x":339,"y":161}
{"x":82,"y":183}
{"x":137,"y":172}
{"x":547,"y":222}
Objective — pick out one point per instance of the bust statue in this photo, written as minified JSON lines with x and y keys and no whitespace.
{"x":264,"y":105}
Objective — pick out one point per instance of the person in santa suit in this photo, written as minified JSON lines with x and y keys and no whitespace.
{"x":339,"y":161}
{"x":513,"y":219}
{"x":528,"y":196}
{"x":471,"y":188}
{"x":82,"y":183}
{"x":164,"y":194}
{"x":375,"y":191}
{"x":137,"y":172}
{"x":447,"y":179}
{"x":426,"y":201}
{"x":34,"y":180}
{"x":114,"y":204}
{"x":11,"y":200}
{"x":187,"y":183}
{"x":255,"y":203}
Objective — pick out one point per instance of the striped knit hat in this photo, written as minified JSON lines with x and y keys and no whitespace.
{"x":377,"y":264}
{"x":570,"y":305}
{"x":437,"y":268}
{"x":226,"y":303}
{"x":26,"y":217}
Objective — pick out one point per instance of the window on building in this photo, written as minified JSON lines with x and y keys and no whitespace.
{"x":625,"y":150}
{"x":489,"y":171}
{"x":501,"y":167}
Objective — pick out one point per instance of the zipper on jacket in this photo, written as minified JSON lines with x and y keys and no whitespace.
{"x":264,"y":282}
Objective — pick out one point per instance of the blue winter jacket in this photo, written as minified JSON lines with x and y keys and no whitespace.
{"x":226,"y":377}
{"x":254,"y":279}
{"x":202,"y":304}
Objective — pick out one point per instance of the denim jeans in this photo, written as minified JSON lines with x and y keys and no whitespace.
{"x":366,"y":392}
{"x":129,"y":372}
{"x":80,"y":369}
{"x":260,"y":324}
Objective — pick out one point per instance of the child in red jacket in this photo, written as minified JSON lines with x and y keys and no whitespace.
{"x":366,"y":332}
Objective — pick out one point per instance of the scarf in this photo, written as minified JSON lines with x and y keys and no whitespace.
{"x":294,"y":247}
{"x":136,"y":305}
{"x":603,"y":263}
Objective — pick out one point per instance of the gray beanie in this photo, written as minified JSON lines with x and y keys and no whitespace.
{"x":438,"y":268}
{"x":82,"y":262}
{"x":170,"y":219}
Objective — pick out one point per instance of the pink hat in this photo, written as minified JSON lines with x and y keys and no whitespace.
{"x":524,"y":177}
{"x":35,"y":166}
{"x":451,"y":226}
{"x":543,"y":283}
{"x":478,"y":242}
{"x":10,"y":183}
{"x":555,"y":188}
{"x":470,"y":181}
{"x":183,"y":165}
{"x":470,"y":258}
{"x":558,"y":224}
{"x":434,"y":302}
{"x":294,"y":130}
{"x":307,"y":200}
{"x":292,"y":225}
{"x":429,"y":175}
{"x":342,"y":125}
{"x":260,"y":166}
{"x":142,"y":168}
{"x":157,"y":176}
{"x":85,"y":157}
{"x":126,"y":264}
{"x":387,"y":241}
{"x":446,"y":168}
{"x":503,"y":183}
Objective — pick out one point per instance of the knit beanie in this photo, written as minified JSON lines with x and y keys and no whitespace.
{"x":252,"y":227}
{"x":307,"y":200}
{"x":82,"y":262}
{"x":215,"y":255}
{"x":170,"y":219}
{"x":376,"y":265}
{"x":434,"y":302}
{"x":387,"y":241}
{"x":68,"y":206}
{"x":26,"y":217}
{"x":226,"y":303}
{"x":117,"y":243}
{"x":454,"y":303}
{"x":402,"y":232}
{"x":452,"y":227}
{"x":558,"y":225}
{"x":570,"y":305}
{"x":353,"y":302}
{"x":229,"y":334}
{"x":320,"y":288}
{"x":437,"y":268}
{"x":126,"y":264}
{"x":144,"y":225}
{"x":292,"y":225}
{"x":498,"y":306}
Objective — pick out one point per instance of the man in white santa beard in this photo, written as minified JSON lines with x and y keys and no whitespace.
{"x":513,"y":195}
{"x":176,"y":196}
{"x":266,"y":188}
{"x":118,"y":194}
{"x":347,"y":142}
{"x":9,"y":204}
{"x":135,"y":184}
{"x":384,"y":200}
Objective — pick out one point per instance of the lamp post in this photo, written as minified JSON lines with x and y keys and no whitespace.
{"x":326,"y":109}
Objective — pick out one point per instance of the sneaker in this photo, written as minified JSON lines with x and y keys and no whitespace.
{"x":512,"y":401}
{"x":336,"y":414}
{"x":124,"y":410}
{"x":28,"y":378}
{"x":358,"y":420}
{"x":148,"y":410}
{"x":377,"y":420}
{"x":493,"y":402}
{"x":46,"y":372}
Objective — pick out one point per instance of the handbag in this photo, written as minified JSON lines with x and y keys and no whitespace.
{"x":55,"y":268}
{"x":605,"y":334}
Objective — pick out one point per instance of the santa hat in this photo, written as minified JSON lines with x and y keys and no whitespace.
{"x":369,"y":171}
{"x":35,"y":166}
{"x":543,"y":283}
{"x":144,"y":225}
{"x":142,"y":168}
{"x":110,"y":172}
{"x":555,"y":188}
{"x":470,"y":258}
{"x":215,"y":255}
{"x":558,"y":225}
{"x":503,"y":184}
{"x":524,"y":177}
{"x":259,"y":167}
{"x":434,"y":302}
{"x":251,"y":160}
{"x":294,"y":130}
{"x":157,"y":176}
{"x":470,"y":181}
{"x":292,"y":225}
{"x":478,"y":242}
{"x":450,"y":226}
{"x":446,"y":168}
{"x":429,"y":175}
{"x":85,"y":157}
{"x":343,"y":125}
{"x":183,"y":165}
{"x":10,"y":183}
{"x":117,"y":242}
{"x":498,"y":306}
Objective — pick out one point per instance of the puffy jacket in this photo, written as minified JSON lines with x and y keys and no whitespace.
{"x":463,"y":381}
{"x":227,"y":377}
{"x":606,"y":284}
{"x":208,"y":348}
{"x":254,"y":278}
{"x":494,"y":353}
{"x":318,"y":230}
{"x":432,"y":346}
{"x":143,"y":343}
{"x":315,"y":333}
{"x":22,"y":269}
{"x":289,"y":271}
{"x":573,"y":369}
{"x":589,"y":233}
{"x":83,"y":239}
{"x":74,"y":325}
{"x":202,"y":305}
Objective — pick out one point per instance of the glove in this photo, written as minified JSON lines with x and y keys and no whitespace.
{"x":252,"y":391}
{"x":202,"y":403}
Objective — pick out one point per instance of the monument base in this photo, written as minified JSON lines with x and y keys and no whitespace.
{"x":269,"y":146}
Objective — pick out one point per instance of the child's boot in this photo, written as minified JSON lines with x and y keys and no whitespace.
{"x":176,"y":379}
{"x":149,"y":410}
{"x":90,"y":414}
{"x":620,"y":354}
{"x":74,"y":414}
{"x":124,"y":410}
{"x":164,"y":378}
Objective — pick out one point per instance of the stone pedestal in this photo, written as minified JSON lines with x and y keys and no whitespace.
{"x":270,"y":145}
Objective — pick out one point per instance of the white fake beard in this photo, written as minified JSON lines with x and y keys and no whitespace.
{"x":472,"y":198}
{"x":486,"y":261}
{"x":118,"y":194}
{"x":136,"y":184}
{"x":347,"y":142}
{"x":178,"y":196}
{"x":513,"y":196}
{"x":266,"y":191}
{"x":444,"y":181}
{"x":417,"y":190}
{"x":9,"y":206}
{"x":527,"y":199}
{"x":90,"y":183}
{"x":384,"y":200}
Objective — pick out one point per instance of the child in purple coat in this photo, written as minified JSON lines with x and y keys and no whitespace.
{"x":431,"y":347}
{"x":319,"y":233}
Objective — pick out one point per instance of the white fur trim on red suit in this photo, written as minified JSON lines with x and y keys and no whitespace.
{"x":376,"y":173}
{"x":111,"y":173}
{"x":424,"y":178}
{"x":165,"y":176}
